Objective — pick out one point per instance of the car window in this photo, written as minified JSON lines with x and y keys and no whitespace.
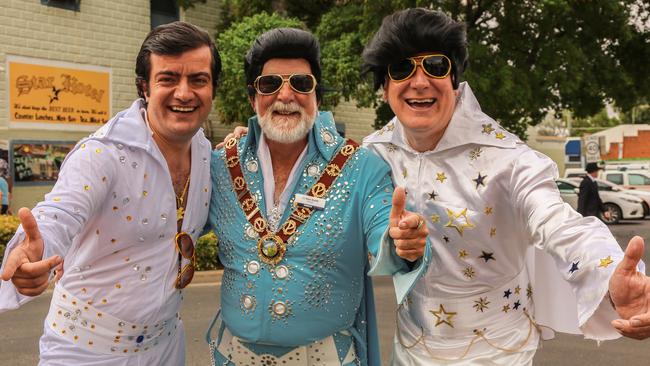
{"x":565,"y":187}
{"x":604,"y":187}
{"x":616,"y":178}
{"x":638,"y":179}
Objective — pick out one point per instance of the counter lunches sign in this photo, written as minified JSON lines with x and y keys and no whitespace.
{"x":55,"y":93}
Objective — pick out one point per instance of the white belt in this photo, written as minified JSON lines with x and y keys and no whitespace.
{"x":463,"y":316}
{"x":99,"y":332}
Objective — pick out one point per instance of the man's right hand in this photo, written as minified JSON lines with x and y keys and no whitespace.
{"x":24,"y":265}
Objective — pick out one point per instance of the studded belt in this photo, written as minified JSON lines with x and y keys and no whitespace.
{"x":464,"y":316}
{"x":100,"y":332}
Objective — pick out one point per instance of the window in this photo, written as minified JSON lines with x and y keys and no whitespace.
{"x":604,"y":187}
{"x":63,"y":4}
{"x":638,"y":180}
{"x":616,"y":178}
{"x":565,"y":187}
{"x":163,"y":12}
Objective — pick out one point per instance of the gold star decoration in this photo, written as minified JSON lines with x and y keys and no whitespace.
{"x":500,"y":135}
{"x":517,"y":290}
{"x":435,"y":218}
{"x":455,"y":223}
{"x":469,"y":272}
{"x":488,"y":210}
{"x":493,"y":231}
{"x":487,"y":128}
{"x":462,"y":254}
{"x":505,"y":308}
{"x":529,"y":291}
{"x":405,"y":173}
{"x":391,"y":147}
{"x":442,"y":316}
{"x":475,"y":153}
{"x":481,"y":304}
{"x":606,"y":261}
{"x":390,"y":126}
{"x":441,"y":177}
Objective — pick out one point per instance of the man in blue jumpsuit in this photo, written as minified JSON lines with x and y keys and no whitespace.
{"x":302,"y":217}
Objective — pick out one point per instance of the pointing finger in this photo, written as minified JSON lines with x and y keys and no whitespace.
{"x":29,"y":224}
{"x":399,"y":201}
{"x":633,"y":254}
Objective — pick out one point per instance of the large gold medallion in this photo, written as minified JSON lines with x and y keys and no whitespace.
{"x":271,"y":249}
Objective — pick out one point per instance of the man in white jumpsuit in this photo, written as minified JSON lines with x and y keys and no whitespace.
{"x":490,"y":202}
{"x":130,"y":201}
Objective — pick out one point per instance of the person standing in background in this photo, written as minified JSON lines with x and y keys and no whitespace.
{"x":589,"y":202}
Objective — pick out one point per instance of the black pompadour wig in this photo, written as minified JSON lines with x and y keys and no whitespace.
{"x":282,"y":43}
{"x":413,"y":31}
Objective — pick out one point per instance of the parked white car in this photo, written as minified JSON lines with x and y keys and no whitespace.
{"x":619,"y":204}
{"x":604,"y":185}
{"x":630,"y":179}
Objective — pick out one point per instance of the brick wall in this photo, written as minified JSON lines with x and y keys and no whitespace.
{"x":633,"y":147}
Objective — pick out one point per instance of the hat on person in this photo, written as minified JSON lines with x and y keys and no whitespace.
{"x":592,"y":167}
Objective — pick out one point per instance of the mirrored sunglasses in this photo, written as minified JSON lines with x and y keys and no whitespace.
{"x":272,"y":83}
{"x":185,"y":248}
{"x":436,"y":66}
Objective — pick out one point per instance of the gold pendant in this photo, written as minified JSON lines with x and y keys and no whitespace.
{"x":180,"y":213}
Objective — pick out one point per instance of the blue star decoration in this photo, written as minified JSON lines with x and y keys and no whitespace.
{"x":516,"y":305}
{"x":480,"y":180}
{"x":445,"y":238}
{"x":574,"y":266}
{"x":487,"y":256}
{"x":433,"y":195}
{"x":507,"y":293}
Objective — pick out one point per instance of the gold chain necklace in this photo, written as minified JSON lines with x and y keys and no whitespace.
{"x":180,"y":208}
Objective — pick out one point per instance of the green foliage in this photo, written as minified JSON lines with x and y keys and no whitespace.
{"x":232,"y":100}
{"x":8,"y":226}
{"x":188,"y":4}
{"x":207,"y":252}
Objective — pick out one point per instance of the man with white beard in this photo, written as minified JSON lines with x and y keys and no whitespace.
{"x":302,"y":217}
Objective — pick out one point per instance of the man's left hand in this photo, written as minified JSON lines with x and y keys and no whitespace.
{"x":629,"y":290}
{"x":408,"y":229}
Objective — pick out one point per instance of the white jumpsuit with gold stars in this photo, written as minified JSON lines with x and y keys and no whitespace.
{"x":489,"y":201}
{"x":112,"y":216}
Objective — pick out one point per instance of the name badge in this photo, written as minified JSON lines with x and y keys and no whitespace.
{"x":309,"y":201}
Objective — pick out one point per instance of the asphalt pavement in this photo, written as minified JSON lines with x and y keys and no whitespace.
{"x":21,"y":329}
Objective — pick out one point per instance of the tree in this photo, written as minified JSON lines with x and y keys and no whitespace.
{"x":232,"y":99}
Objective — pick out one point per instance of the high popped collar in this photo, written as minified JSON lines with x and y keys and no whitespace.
{"x":324,"y":125}
{"x":468,"y":125}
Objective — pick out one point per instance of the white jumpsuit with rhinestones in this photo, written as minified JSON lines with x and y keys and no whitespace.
{"x":489,"y":201}
{"x":112,"y":216}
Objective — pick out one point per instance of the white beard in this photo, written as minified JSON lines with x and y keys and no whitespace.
{"x":284,"y":129}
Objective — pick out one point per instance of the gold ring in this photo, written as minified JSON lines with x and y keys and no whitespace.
{"x":420,"y":223}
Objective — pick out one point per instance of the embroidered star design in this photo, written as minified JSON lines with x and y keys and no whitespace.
{"x":505,"y":308}
{"x":481,"y":304}
{"x":391,"y":147}
{"x":493,"y":231}
{"x":469,"y":272}
{"x":480,"y":180}
{"x":456,"y":223}
{"x":441,"y":177}
{"x":500,"y":135}
{"x":487,"y":128}
{"x":433,"y":195}
{"x":517,"y":290}
{"x":507,"y":293}
{"x":405,"y":173}
{"x":516,"y":305}
{"x":529,"y":291}
{"x":390,"y":127}
{"x":435,"y":218}
{"x":475,"y":153}
{"x":486,"y":256}
{"x":443,"y":317}
{"x":488,"y":210}
{"x":445,"y":238}
{"x":462,"y":253}
{"x":574,"y":266}
{"x":606,"y":261}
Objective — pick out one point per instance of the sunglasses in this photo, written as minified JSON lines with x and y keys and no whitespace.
{"x":436,"y":66}
{"x":185,"y":248}
{"x":272,"y":83}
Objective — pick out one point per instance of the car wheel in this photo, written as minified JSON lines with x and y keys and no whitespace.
{"x":646,"y":209}
{"x":615,"y":214}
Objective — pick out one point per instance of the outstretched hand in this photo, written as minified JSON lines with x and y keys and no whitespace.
{"x":237,"y":133}
{"x":408,"y":229}
{"x":630,"y":293}
{"x":25,"y":266}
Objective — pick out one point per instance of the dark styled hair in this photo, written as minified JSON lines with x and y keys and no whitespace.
{"x":409,"y":32}
{"x":173,"y":39}
{"x":282,"y":43}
